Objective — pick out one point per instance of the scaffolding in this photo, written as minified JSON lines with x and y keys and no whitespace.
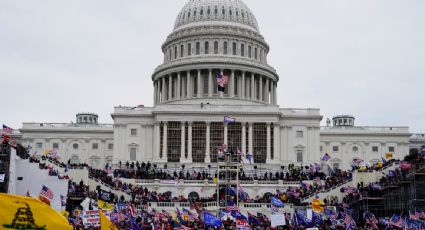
{"x":4,"y":166}
{"x":228,"y":168}
{"x":400,"y":196}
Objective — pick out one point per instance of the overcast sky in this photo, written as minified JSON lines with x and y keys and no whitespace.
{"x":360,"y":57}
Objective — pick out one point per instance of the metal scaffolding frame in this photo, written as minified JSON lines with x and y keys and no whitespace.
{"x":228,"y":168}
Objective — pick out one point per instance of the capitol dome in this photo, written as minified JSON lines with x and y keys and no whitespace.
{"x":224,"y":12}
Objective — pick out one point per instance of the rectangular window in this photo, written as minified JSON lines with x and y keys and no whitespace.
{"x":300,"y":134}
{"x":189,"y":49}
{"x":207,"y":47}
{"x":391,"y":149}
{"x":321,"y":148}
{"x":55,"y":145}
{"x":225,"y":48}
{"x":133,"y":154}
{"x":335,"y":148}
{"x":39,"y":145}
{"x":255,"y":53}
{"x":181,"y":50}
{"x":198,"y":48}
{"x":335,"y":166}
{"x":234,"y":48}
{"x":175,"y":52}
{"x":299,"y":156}
{"x":215,"y":47}
{"x":95,"y":146}
{"x":375,"y":149}
{"x":110,"y":146}
{"x":249,"y":52}
{"x":243,"y":50}
{"x":133,"y":132}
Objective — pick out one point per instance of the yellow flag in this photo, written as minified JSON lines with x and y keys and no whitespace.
{"x":104,"y":205}
{"x":318,"y":205}
{"x":22,"y":212}
{"x":215,"y":180}
{"x":106,"y":224}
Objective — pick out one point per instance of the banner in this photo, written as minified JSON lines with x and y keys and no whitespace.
{"x":388,"y":156}
{"x":278,"y":220}
{"x":18,"y":211}
{"x":91,"y":218}
{"x":2,"y":177}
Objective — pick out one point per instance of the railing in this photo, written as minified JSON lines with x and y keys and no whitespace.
{"x":63,"y":125}
{"x":399,"y":129}
{"x":210,"y":182}
{"x":329,"y":189}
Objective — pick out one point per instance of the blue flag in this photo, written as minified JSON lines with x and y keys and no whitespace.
{"x":238,"y":215}
{"x":211,"y":220}
{"x":277,"y":202}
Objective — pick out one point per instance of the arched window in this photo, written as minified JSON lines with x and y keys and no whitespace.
{"x":223,"y":11}
{"x":181,"y":50}
{"x":207,"y":47}
{"x":208,"y":11}
{"x":188,"y":15}
{"x":237,"y":13}
{"x":202,"y":11}
{"x":243,"y":50}
{"x":224,"y":47}
{"x":198,"y":48}
{"x":194,"y":13}
{"x":75,"y":159}
{"x":215,"y":47}
{"x":193,"y":196}
{"x":255,"y":53}
{"x":234,"y":48}
{"x":184,"y":13}
{"x":215,"y":10}
{"x":175,"y":52}
{"x":230,"y":12}
{"x":249,"y":51}
{"x":189,"y":49}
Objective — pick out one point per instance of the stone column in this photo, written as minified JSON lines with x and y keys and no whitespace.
{"x":163,"y":93}
{"x":268,"y":159}
{"x":182,"y":136}
{"x":207,"y":147}
{"x":271,"y":93}
{"x":156,"y":139}
{"x":260,"y":93}
{"x":188,"y":85}
{"x":154,"y":92}
{"x":210,"y":83}
{"x":164,"y":142}
{"x":178,"y":86}
{"x":267,"y":96}
{"x":250,"y":144}
{"x":276,"y":142}
{"x":243,"y":141}
{"x":199,"y":95}
{"x":242,"y":93}
{"x":170,"y":87}
{"x":274,"y":94}
{"x":189,"y":142}
{"x":225,"y":134}
{"x":252,"y":86}
{"x":232,"y":84}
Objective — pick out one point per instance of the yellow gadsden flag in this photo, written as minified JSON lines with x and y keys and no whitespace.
{"x":318,"y":205}
{"x":106,"y":224}
{"x":22,"y":212}
{"x":104,"y":205}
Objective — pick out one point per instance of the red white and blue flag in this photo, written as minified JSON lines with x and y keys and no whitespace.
{"x":47,"y":192}
{"x":229,"y":119}
{"x":326,"y":157}
{"x":222,"y":80}
{"x":7,"y":129}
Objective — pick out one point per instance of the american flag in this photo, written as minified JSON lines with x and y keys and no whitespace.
{"x":415,"y":216}
{"x":232,"y":208}
{"x":7,"y":129}
{"x":132,"y":210}
{"x":47,"y":192}
{"x":222,"y":79}
{"x":349,"y":222}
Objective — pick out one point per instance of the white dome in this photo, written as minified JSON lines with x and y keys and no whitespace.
{"x":216,"y":12}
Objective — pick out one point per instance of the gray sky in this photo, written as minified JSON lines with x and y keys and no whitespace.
{"x":359,"y":57}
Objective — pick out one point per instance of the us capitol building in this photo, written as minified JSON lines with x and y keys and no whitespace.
{"x":185,"y":125}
